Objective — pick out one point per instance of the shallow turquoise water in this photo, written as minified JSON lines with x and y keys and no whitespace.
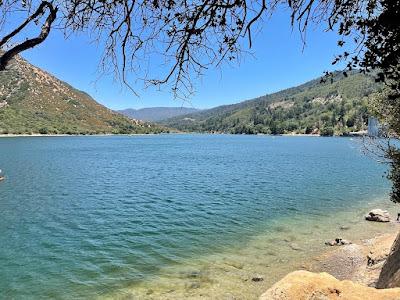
{"x":82,"y":217}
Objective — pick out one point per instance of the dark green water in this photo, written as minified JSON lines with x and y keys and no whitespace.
{"x":82,"y":217}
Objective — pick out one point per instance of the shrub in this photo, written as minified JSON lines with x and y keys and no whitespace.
{"x":327,"y":131}
{"x":44,"y":130}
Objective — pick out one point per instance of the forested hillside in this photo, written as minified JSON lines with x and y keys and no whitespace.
{"x":337,"y":106}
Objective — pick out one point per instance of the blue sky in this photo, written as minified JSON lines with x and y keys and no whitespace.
{"x":279,"y":62}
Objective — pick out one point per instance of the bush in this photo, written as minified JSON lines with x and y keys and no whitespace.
{"x":308,"y":130}
{"x":44,"y":130}
{"x":327,"y":131}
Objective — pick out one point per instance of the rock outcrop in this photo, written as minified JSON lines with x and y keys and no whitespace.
{"x":378,"y":215}
{"x":390,"y":274}
{"x":302,"y":285}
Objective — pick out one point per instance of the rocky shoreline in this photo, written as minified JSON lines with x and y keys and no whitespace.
{"x":346,"y":271}
{"x":303,"y":285}
{"x":360,"y":262}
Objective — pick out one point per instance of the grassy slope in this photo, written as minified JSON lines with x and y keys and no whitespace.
{"x":339,"y":106}
{"x":33,"y":101}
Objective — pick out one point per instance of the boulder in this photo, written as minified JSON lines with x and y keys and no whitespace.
{"x":378,"y":215}
{"x":302,"y":285}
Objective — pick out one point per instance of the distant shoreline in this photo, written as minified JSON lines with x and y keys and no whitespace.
{"x":71,"y":135}
{"x":172,"y":133}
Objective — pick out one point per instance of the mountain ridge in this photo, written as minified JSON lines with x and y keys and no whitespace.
{"x":336,"y":106}
{"x":156,"y":114}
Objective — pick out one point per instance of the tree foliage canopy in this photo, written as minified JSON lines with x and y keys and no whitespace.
{"x":191,"y":36}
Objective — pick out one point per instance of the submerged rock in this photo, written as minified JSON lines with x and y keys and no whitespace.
{"x":344,"y":227}
{"x":234,"y":264}
{"x":337,"y":242}
{"x":295,"y":247}
{"x":257,"y":278}
{"x":308,"y":285}
{"x":149,"y":292}
{"x":193,"y":285}
{"x":378,"y":215}
{"x":192,"y":274}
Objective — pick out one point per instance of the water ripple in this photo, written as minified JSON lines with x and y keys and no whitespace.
{"x":84,"y":216}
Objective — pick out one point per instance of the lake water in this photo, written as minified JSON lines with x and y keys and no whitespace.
{"x":174,"y":216}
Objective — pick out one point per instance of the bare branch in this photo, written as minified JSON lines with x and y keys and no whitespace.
{"x":30,"y":43}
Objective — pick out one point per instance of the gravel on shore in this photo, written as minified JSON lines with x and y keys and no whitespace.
{"x":360,"y":262}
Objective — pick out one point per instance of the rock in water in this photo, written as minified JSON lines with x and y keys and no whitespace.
{"x":378,"y":215}
{"x":308,"y":285}
{"x":1,"y":175}
{"x":295,"y":247}
{"x":337,"y":242}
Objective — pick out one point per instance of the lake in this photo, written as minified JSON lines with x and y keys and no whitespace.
{"x":174,"y":216}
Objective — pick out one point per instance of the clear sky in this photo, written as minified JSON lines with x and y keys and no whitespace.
{"x":279,"y":62}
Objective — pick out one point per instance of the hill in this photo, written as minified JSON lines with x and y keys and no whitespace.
{"x":33,"y":101}
{"x":156,"y":114}
{"x":336,"y":106}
